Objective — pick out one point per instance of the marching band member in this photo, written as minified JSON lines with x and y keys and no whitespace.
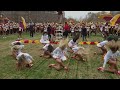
{"x":4,"y":30}
{"x":20,"y":30}
{"x":88,"y":30}
{"x":93,"y":29}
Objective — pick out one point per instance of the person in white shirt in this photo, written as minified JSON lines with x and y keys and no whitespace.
{"x":11,"y":27}
{"x":102,"y":44}
{"x":24,"y":60}
{"x":111,"y":57}
{"x":116,"y":28}
{"x":73,"y":44}
{"x":15,"y":27}
{"x":60,"y":55}
{"x":44,"y":38}
{"x":75,"y":49}
{"x":48,"y":49}
{"x":20,"y":30}
{"x":16,"y":48}
{"x":4,"y":30}
{"x":93,"y":29}
{"x":88,"y":31}
{"x":72,"y":31}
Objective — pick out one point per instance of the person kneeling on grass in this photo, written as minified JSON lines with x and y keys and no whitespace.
{"x":59,"y":54}
{"x":48,"y":49}
{"x":75,"y":49}
{"x":111,"y":57}
{"x":24,"y":60}
{"x":102,"y":44}
{"x":16,"y":48}
{"x":81,"y":54}
{"x":73,"y":44}
{"x":44,"y":38}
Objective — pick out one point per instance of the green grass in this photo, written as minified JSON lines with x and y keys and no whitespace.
{"x":40,"y":70}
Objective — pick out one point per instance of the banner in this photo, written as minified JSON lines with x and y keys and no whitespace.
{"x":24,"y":23}
{"x":114,"y":19}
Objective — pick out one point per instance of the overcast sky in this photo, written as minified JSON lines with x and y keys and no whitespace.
{"x":77,"y":14}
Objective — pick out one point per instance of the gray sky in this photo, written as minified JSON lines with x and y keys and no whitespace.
{"x":77,"y":14}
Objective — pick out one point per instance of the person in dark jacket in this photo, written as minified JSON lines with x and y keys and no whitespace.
{"x":84,"y":32}
{"x":49,"y":31}
{"x":31,"y":28}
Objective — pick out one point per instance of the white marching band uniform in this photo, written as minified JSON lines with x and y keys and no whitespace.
{"x":110,"y":55}
{"x":72,"y":29}
{"x":20,"y":29}
{"x":59,"y":54}
{"x":5,"y":27}
{"x":93,"y":26}
{"x":106,"y":28}
{"x":80,"y":28}
{"x":45,"y":29}
{"x":101,"y":28}
{"x":44,"y":39}
{"x":116,"y":26}
{"x":88,"y":28}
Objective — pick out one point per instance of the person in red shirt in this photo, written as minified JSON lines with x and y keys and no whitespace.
{"x":66,"y":29}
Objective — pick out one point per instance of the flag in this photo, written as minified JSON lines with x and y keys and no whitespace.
{"x":114,"y":19}
{"x":24,"y":23}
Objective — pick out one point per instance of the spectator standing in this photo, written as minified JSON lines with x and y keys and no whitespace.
{"x":49,"y":31}
{"x":31,"y":28}
{"x":66,"y":30}
{"x":84,"y":32}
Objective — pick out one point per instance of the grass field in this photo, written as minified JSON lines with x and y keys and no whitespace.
{"x":40,"y":70}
